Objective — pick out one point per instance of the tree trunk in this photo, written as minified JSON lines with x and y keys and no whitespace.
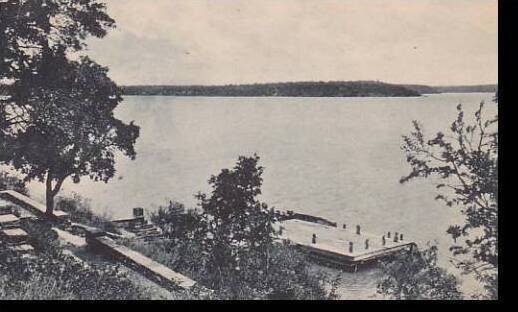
{"x":49,"y":195}
{"x":52,"y":192}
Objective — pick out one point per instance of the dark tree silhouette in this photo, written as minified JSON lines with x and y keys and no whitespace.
{"x":10,"y":182}
{"x":56,"y":116}
{"x":303,"y":88}
{"x":415,"y":275}
{"x":465,"y":160}
{"x":229,"y":246}
{"x":238,"y":225}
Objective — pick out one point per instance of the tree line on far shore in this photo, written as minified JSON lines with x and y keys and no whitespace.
{"x":299,"y":89}
{"x":304,"y":89}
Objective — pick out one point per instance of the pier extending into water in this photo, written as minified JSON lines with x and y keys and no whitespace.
{"x":348,"y":247}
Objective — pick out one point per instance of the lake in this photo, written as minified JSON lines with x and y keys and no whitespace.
{"x":338,"y":158}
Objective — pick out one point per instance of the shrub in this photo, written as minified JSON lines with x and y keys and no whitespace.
{"x":79,"y":211}
{"x":415,"y":275}
{"x":59,"y":276}
{"x":287,"y":276}
{"x":10,"y":182}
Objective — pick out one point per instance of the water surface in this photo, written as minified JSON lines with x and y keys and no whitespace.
{"x":338,"y":158}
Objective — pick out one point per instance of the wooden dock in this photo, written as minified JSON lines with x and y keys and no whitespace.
{"x":340,"y":247}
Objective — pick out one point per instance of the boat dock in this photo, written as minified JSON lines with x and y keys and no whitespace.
{"x":348,"y":247}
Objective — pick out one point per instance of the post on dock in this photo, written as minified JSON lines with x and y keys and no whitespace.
{"x":358,"y":229}
{"x":396,"y":237}
{"x":350,"y":247}
{"x":314,"y":238}
{"x":344,"y":226}
{"x":383,"y":240}
{"x":367,"y":244}
{"x":401,"y":236}
{"x":388,"y":235}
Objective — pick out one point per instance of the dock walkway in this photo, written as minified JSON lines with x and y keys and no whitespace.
{"x":333,"y":243}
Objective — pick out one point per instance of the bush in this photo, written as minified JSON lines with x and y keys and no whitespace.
{"x":287,"y":276}
{"x":10,"y":182}
{"x":415,"y":275}
{"x":59,"y":276}
{"x":79,"y":211}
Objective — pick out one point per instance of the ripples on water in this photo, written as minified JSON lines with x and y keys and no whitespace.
{"x":338,"y":158}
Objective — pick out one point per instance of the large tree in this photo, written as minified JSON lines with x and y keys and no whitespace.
{"x":464,"y":165}
{"x":56,"y":115}
{"x":239,"y":227}
{"x":230,"y":245}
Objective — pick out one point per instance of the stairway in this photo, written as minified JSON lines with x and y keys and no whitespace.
{"x":11,"y":233}
{"x":147,"y":232}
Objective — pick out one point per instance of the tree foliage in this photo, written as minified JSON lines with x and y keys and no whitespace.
{"x":230,"y":246}
{"x":415,"y":275}
{"x":29,"y":29}
{"x":10,"y":182}
{"x":80,"y":211}
{"x":464,"y":162}
{"x":56,"y":120}
{"x":300,"y":89}
{"x":51,"y":277}
{"x":238,"y":225}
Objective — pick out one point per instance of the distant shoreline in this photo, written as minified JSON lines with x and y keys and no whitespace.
{"x":304,"y":89}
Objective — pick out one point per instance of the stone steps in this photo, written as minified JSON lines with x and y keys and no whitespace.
{"x":14,"y":236}
{"x":24,"y":249}
{"x":9,"y":221}
{"x":4,"y":210}
{"x":146,"y":231}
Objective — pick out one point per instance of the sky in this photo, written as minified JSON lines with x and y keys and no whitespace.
{"x":434,"y":42}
